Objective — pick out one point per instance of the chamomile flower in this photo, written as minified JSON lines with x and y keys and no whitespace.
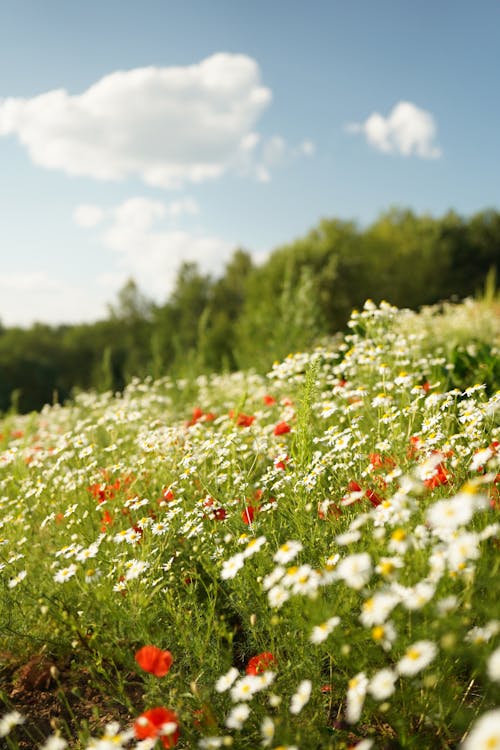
{"x":267,"y":731}
{"x":485,"y":733}
{"x":246,"y":687}
{"x":493,"y":666}
{"x":356,"y":693}
{"x":54,"y":742}
{"x":300,"y":697}
{"x":135,"y":568}
{"x":384,"y":635}
{"x":10,"y":720}
{"x":225,"y":682}
{"x":382,"y":684}
{"x":287,"y":552}
{"x":237,"y":716}
{"x":253,"y":546}
{"x":321,"y":632}
{"x":17,"y":579}
{"x":231,"y":567}
{"x":355,"y":570}
{"x":377,"y":608}
{"x":277,"y":596}
{"x":418,"y":656}
{"x":64,"y":574}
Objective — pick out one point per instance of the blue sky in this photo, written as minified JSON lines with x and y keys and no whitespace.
{"x":137,"y":135}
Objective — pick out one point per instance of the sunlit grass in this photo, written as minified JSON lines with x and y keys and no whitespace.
{"x":315,"y":550}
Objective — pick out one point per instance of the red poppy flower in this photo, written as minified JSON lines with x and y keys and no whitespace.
{"x":219,"y":514}
{"x":161,"y":723}
{"x":196,"y":415}
{"x":438,"y":478}
{"x":327,"y":510}
{"x":244,"y":420}
{"x":414,"y":447}
{"x":280,"y":463}
{"x":106,"y":520}
{"x":153,"y":660}
{"x":381,"y":462}
{"x":282,"y":428}
{"x":260,"y":663}
{"x":248,"y":514}
{"x":373,"y":498}
{"x":269,"y":400}
{"x":353,"y":487}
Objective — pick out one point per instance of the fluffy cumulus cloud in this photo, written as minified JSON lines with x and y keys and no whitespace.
{"x":167,"y":125}
{"x":147,"y":246}
{"x":407,"y":130}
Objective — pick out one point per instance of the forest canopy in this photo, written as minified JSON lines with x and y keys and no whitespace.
{"x":253,"y":314}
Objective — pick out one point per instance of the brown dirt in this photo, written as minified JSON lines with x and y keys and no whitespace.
{"x":53,"y":696}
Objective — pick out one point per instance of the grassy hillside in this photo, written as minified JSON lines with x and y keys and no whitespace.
{"x":306,"y":560}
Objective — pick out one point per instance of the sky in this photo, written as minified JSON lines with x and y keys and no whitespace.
{"x":138,"y":135}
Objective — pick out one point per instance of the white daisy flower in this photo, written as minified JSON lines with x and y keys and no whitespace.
{"x":225,"y":682}
{"x":416,"y":658}
{"x":382,"y":684}
{"x":485,"y":733}
{"x":377,"y":608}
{"x":253,"y":546}
{"x":9,"y":721}
{"x":237,"y":716}
{"x":356,"y":693}
{"x":277,"y":596}
{"x":232,"y":566}
{"x":300,"y":697}
{"x":355,"y":570}
{"x":267,"y":731}
{"x":65,"y":574}
{"x":493,"y":667}
{"x":54,"y":742}
{"x":450,"y":514}
{"x":17,"y":579}
{"x":287,"y":552}
{"x":462,"y":548}
{"x":246,"y":687}
{"x":321,"y":632}
{"x":135,"y":568}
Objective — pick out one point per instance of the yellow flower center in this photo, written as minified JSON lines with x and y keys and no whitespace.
{"x":413,"y":653}
{"x":398,"y":535}
{"x":378,"y":633}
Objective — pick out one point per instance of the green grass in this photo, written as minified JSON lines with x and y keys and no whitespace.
{"x":340,"y":514}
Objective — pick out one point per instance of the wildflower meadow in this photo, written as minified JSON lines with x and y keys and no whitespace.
{"x":298,"y":561}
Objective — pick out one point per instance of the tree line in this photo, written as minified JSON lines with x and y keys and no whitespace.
{"x":253,"y":314}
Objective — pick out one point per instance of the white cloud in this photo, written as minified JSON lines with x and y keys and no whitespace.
{"x":183,"y":206}
{"x":407,"y":130}
{"x":168,"y":126}
{"x":151,"y":251}
{"x":262,"y":155}
{"x":87,"y":215}
{"x":307,"y":148}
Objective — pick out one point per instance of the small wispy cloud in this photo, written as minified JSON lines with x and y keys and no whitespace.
{"x":407,"y":130}
{"x":142,"y":235}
